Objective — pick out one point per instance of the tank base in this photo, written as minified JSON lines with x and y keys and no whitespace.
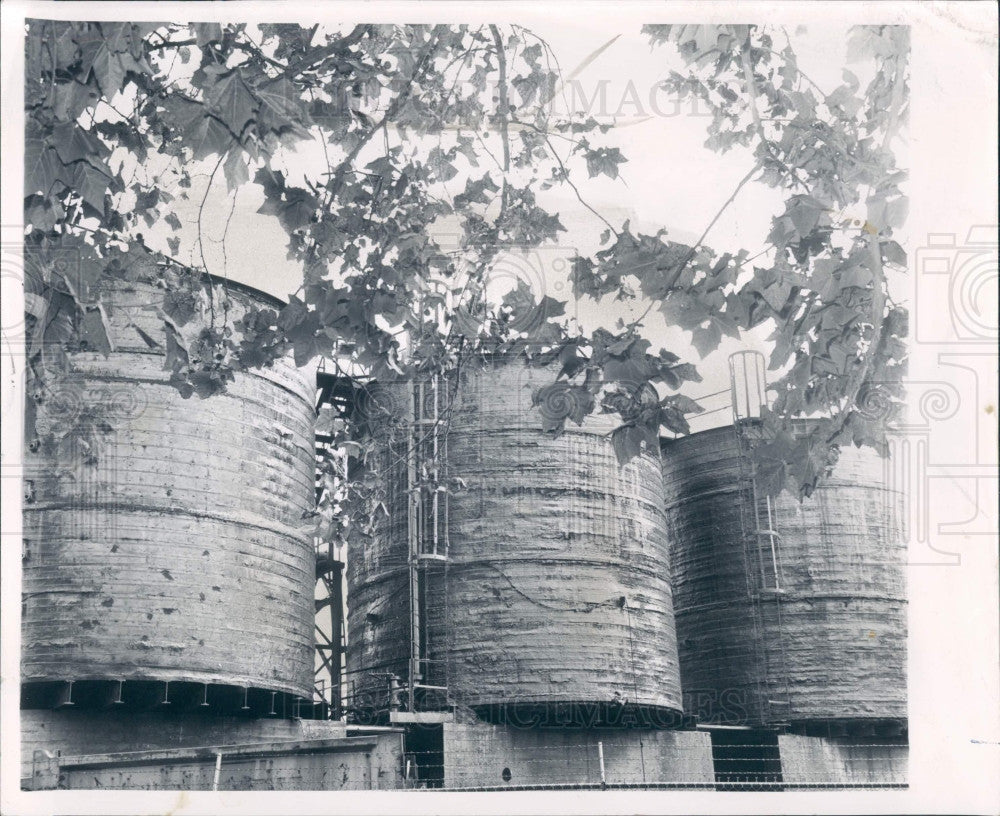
{"x":173,"y":695}
{"x":890,"y":728}
{"x":71,"y":732}
{"x":852,"y":761}
{"x":484,"y":756}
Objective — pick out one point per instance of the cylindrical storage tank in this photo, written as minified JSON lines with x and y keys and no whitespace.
{"x":165,"y":538}
{"x":555,"y":592}
{"x":818,"y":632}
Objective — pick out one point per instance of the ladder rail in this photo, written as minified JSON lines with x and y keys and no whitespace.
{"x":756,"y":622}
{"x":758,"y":522}
{"x":428,"y":537}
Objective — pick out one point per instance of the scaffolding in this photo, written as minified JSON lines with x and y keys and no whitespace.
{"x":337,"y":395}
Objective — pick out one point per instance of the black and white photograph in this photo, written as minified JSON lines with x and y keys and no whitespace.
{"x":500,"y":408}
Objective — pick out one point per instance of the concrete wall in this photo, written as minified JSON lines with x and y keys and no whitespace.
{"x":371,"y":762}
{"x":154,"y":751}
{"x":71,"y":733}
{"x":843,"y":760}
{"x":475,"y":755}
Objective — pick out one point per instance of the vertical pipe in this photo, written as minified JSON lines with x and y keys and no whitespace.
{"x":413,"y":536}
{"x":600,"y":759}
{"x":434,"y":462}
{"x":336,"y":632}
{"x":218,"y":771}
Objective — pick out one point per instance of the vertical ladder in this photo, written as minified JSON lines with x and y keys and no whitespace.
{"x":761,"y":540}
{"x":428,"y":545}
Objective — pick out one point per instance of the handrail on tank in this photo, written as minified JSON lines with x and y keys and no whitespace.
{"x":747,"y":384}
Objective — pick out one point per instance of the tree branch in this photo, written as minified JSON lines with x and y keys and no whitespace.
{"x":160,"y":46}
{"x":337,"y":181}
{"x":310,"y":60}
{"x":504,"y":114}
{"x":694,"y":248}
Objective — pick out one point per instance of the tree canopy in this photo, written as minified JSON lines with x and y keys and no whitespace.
{"x":119,"y":116}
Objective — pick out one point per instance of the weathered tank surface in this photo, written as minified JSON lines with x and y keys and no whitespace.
{"x":168,"y":543}
{"x":555,"y":589}
{"x":822,"y":637}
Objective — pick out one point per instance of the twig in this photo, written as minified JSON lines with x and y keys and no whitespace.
{"x":576,"y":191}
{"x":201,"y":242}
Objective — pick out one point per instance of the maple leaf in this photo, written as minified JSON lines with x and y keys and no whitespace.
{"x":181,"y":112}
{"x":108,"y":70}
{"x":604,"y":160}
{"x":206,"y":33}
{"x":804,"y":213}
{"x":42,"y":215}
{"x":856,"y":276}
{"x":674,"y":375}
{"x":232,"y":101}
{"x":684,"y":310}
{"x":91,"y":184}
{"x":281,"y":107}
{"x":296,"y":210}
{"x":42,"y":167}
{"x":207,"y":136}
{"x":73,"y":143}
{"x":685,"y":404}
{"x":73,"y":98}
{"x":630,"y":441}
{"x":893,"y":253}
{"x":95,"y":331}
{"x":776,"y":294}
{"x":560,"y":401}
{"x":235,"y":169}
{"x":706,"y":339}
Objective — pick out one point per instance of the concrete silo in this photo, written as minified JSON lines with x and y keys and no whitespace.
{"x":799,"y":620}
{"x":168,"y":563}
{"x":515,"y":573}
{"x":170,"y":546}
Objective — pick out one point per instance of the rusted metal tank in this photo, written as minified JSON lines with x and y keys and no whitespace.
{"x":811,"y":631}
{"x":166,"y":541}
{"x":543,"y":573}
